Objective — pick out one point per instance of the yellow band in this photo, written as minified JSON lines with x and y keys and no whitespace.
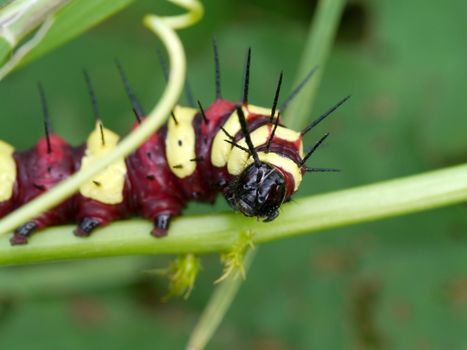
{"x":107,"y":186}
{"x":7,"y":171}
{"x":181,"y":141}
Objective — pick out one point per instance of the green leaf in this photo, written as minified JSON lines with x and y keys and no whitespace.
{"x":19,"y":19}
{"x":72,"y":20}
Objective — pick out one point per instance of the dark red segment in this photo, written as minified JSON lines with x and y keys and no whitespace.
{"x":216,"y":114}
{"x":38,"y":171}
{"x":155,"y":189}
{"x":9,"y":205}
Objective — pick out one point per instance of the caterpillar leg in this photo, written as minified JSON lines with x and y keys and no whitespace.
{"x":92,"y":214}
{"x":161,"y":225}
{"x":21,"y":234}
{"x":86,"y":226}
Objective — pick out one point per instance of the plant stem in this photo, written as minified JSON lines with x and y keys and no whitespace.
{"x":320,"y":39}
{"x":214,"y":233}
{"x":218,"y":305}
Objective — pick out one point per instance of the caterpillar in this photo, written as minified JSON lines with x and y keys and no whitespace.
{"x":239,"y":149}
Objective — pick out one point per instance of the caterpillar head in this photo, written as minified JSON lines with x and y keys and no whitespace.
{"x":258,"y":191}
{"x":261,"y":188}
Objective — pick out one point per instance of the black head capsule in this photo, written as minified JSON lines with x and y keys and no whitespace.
{"x":258,"y":191}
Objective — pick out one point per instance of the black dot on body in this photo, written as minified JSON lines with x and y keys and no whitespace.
{"x":180,"y":143}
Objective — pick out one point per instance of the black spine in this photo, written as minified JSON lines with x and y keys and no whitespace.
{"x":276,"y":97}
{"x":95,"y":107}
{"x":314,"y":148}
{"x":246,"y":77}
{"x":297,"y":89}
{"x":45,"y":111}
{"x":217,"y":70}
{"x":324,"y":115}
{"x":246,"y":133}
{"x":136,"y":106}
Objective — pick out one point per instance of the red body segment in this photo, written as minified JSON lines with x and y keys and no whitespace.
{"x":206,"y":181}
{"x":39,"y":169}
{"x":10,"y":204}
{"x":155,"y":188}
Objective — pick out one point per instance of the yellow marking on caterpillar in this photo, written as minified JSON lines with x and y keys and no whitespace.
{"x":107,"y":186}
{"x":181,"y":141}
{"x":220,"y":149}
{"x":238,"y":159}
{"x":7,"y":171}
{"x":290,"y":136}
{"x":275,"y":159}
{"x":259,"y":110}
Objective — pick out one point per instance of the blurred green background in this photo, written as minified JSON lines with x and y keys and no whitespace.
{"x":397,"y":284}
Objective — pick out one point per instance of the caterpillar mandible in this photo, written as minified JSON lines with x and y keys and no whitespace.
{"x":239,"y":149}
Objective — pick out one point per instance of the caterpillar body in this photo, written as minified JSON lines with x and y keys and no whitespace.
{"x":238,"y":149}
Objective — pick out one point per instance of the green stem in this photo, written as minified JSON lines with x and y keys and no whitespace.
{"x":214,"y":233}
{"x":320,"y":39}
{"x":217,"y":307}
